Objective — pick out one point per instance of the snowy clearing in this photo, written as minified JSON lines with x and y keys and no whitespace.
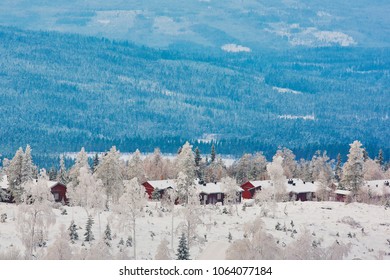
{"x":365,"y":227}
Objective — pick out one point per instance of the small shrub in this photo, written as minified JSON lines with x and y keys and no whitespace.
{"x":3,"y":217}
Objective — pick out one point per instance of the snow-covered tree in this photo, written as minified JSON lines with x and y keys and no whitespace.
{"x":135,"y":167}
{"x":257,"y":245}
{"x":289,"y":164}
{"x":130,"y":205}
{"x":88,"y":193}
{"x":338,"y":170}
{"x":231,"y":192}
{"x":95,"y":163}
{"x":321,"y":166}
{"x":81,"y":161}
{"x":72,"y":231}
{"x":192,"y":213}
{"x":35,"y":214}
{"x":213,"y":153}
{"x":27,"y":166}
{"x":215,"y":171}
{"x":373,"y":170}
{"x":14,"y":175}
{"x":258,"y":170}
{"x":53,"y":173}
{"x":185,"y":163}
{"x":110,"y":173}
{"x":88,"y":235}
{"x":107,"y":235}
{"x":353,"y":169}
{"x":243,"y":168}
{"x":276,"y":173}
{"x":154,"y":166}
{"x":162,"y":251}
{"x":62,"y":175}
{"x":380,"y":159}
{"x":60,"y":249}
{"x":169,"y":200}
{"x":183,"y":251}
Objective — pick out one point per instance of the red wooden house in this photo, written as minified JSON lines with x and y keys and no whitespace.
{"x":59,"y":191}
{"x":160,"y":185}
{"x":251,"y":187}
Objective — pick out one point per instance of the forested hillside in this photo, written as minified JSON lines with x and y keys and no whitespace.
{"x":59,"y":92}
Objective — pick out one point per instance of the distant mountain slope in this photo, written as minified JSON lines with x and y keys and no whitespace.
{"x":59,"y":92}
{"x":253,"y":23}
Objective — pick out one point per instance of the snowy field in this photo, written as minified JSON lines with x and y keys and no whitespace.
{"x":366,"y":228}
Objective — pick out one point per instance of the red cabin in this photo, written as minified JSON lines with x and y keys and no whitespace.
{"x":59,"y":191}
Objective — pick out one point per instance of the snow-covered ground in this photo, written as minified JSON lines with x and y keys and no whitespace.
{"x":365,"y":227}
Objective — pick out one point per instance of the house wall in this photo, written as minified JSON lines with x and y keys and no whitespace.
{"x":247,"y":194}
{"x":59,"y":193}
{"x":149,"y":189}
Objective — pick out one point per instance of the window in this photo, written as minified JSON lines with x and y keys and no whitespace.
{"x":219,"y":196}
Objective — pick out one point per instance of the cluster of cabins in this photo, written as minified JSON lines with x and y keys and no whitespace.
{"x":57,"y":189}
{"x":212,"y":193}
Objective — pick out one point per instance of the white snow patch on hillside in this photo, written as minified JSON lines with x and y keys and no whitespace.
{"x":310,"y":36}
{"x":235,"y":48}
{"x":168,"y":26}
{"x":293,"y":117}
{"x":115,"y":18}
{"x":332,"y":37}
{"x":286,"y":90}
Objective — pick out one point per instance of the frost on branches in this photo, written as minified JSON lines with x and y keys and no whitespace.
{"x":130,"y":206}
{"x":276,"y":173}
{"x":353,"y":169}
{"x":35,"y":214}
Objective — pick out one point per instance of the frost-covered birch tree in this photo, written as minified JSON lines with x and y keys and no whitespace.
{"x":135,"y":168}
{"x":35,"y":214}
{"x":110,"y":172}
{"x":130,"y":205}
{"x":231,"y":192}
{"x":276,"y":173}
{"x":81,"y":161}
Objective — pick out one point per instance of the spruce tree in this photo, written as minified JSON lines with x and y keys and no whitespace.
{"x":107,"y":235}
{"x":88,"y":233}
{"x":183,"y":252}
{"x":380,"y":159}
{"x":213,"y":153}
{"x":156,"y":194}
{"x":95,"y":163}
{"x":338,"y":170}
{"x":73,"y":232}
{"x":62,"y":174}
{"x":53,"y":173}
{"x":353,"y":169}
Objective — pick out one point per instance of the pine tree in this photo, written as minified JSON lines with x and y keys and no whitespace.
{"x":380,"y":159}
{"x":183,"y":252}
{"x":73,"y":232}
{"x":95,"y":163}
{"x":53,"y":173}
{"x":198,"y":160}
{"x":338,"y":170}
{"x":213,"y":153}
{"x":62,"y":175}
{"x":107,"y":235}
{"x":88,"y":233}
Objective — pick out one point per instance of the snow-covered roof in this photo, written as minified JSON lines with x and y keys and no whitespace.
{"x":263,"y":184}
{"x":300,"y":186}
{"x":163,"y":184}
{"x":210,"y":188}
{"x":342,"y":192}
{"x":297,"y":186}
{"x":376,"y":186}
